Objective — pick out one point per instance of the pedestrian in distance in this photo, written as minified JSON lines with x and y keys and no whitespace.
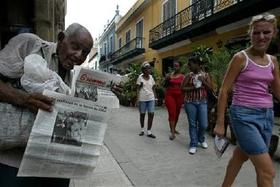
{"x":251,"y":74}
{"x":174,"y":97}
{"x":195,"y":86}
{"x":146,"y":98}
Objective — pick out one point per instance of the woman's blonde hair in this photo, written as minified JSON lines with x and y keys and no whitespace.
{"x":264,"y":17}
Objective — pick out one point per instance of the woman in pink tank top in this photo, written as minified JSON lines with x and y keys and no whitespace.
{"x":250,"y":74}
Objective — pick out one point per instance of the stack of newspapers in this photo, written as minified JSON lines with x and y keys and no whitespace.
{"x":66,"y":142}
{"x":220,"y":145}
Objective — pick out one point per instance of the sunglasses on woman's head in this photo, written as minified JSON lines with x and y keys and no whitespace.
{"x":265,"y":17}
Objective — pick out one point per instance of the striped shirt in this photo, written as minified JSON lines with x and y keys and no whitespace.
{"x":195,"y":94}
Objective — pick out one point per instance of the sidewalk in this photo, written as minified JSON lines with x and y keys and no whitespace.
{"x":107,"y":173}
{"x":141,"y":161}
{"x":161,"y":162}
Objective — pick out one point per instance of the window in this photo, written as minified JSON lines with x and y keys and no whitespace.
{"x":201,"y":9}
{"x":139,"y":28}
{"x":139,"y":34}
{"x":168,"y":16}
{"x":105,"y":48}
{"x":169,"y":9}
{"x":110,"y":44}
{"x":120,"y":43}
{"x":127,"y":37}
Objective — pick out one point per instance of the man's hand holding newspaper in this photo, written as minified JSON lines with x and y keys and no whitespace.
{"x":66,"y":142}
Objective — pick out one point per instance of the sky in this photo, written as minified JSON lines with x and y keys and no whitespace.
{"x":94,"y":14}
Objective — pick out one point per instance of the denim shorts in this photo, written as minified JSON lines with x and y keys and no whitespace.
{"x":252,"y":128}
{"x":147,"y":106}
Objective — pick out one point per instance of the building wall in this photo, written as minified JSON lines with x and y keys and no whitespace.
{"x":213,"y":39}
{"x":49,"y":18}
{"x":15,"y":17}
{"x":42,"y":17}
{"x":104,"y":41}
{"x":152,"y":14}
{"x":145,"y":12}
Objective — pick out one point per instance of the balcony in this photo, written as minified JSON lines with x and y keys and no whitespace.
{"x":105,"y":60}
{"x":129,"y":50}
{"x":102,"y":58}
{"x":203,"y":17}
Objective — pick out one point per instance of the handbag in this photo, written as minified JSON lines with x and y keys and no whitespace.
{"x":211,"y":95}
{"x":165,"y":83}
{"x":212,"y":98}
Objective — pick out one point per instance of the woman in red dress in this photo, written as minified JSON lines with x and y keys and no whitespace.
{"x":174,"y":97}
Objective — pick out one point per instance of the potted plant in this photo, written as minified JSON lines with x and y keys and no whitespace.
{"x":129,"y":94}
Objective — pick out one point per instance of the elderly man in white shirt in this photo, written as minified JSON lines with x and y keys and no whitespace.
{"x":72,"y":48}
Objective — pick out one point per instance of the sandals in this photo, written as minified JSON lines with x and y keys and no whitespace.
{"x":176,"y":132}
{"x":172,"y":137}
{"x":151,"y":136}
{"x":141,"y":133}
{"x":148,"y":135}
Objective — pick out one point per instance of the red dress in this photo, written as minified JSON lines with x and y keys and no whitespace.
{"x":174,"y":97}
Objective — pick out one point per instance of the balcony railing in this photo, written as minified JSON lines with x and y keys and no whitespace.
{"x":102,"y":58}
{"x":192,"y":14}
{"x":129,"y":48}
{"x":105,"y":58}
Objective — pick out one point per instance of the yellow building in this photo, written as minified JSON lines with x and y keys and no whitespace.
{"x":132,"y":36}
{"x":161,"y":30}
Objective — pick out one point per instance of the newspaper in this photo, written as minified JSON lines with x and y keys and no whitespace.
{"x":66,"y":142}
{"x":220,"y":145}
{"x":95,"y":86}
{"x":16,"y":124}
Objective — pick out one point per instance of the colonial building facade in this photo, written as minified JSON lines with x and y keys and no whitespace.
{"x":160,"y":30}
{"x":107,"y":44}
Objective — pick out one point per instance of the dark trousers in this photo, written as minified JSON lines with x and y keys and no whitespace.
{"x":8,"y":178}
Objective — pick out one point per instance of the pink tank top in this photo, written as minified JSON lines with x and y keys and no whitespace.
{"x":251,"y":85}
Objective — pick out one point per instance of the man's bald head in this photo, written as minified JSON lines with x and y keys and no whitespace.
{"x":74,"y":44}
{"x":75,"y":28}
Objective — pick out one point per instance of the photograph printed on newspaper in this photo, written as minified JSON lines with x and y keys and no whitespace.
{"x":95,"y":85}
{"x":66,"y":142}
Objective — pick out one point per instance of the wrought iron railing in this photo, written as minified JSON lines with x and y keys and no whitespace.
{"x":192,"y":14}
{"x":136,"y":43}
{"x":102,"y":58}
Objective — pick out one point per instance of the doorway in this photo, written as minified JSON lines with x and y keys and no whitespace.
{"x":167,"y":64}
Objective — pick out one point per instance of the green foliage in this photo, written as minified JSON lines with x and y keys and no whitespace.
{"x":204,"y":53}
{"x":217,"y":66}
{"x":129,"y":93}
{"x":216,"y":62}
{"x":184,"y":61}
